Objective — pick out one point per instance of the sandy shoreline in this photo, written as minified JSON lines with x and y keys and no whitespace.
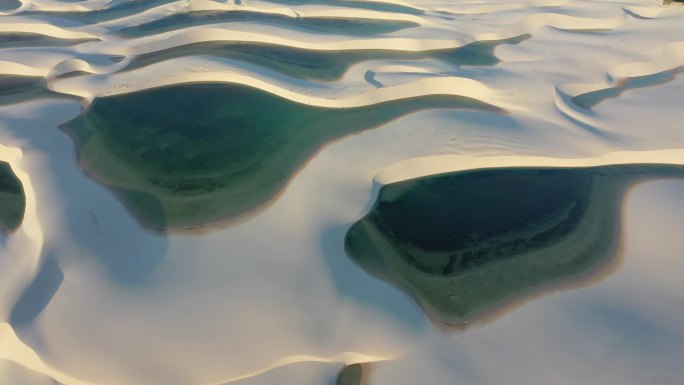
{"x":274,"y":299}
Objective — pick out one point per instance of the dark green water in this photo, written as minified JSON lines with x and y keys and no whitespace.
{"x":346,"y":26}
{"x":133,"y":7}
{"x":127,"y":8}
{"x":464,"y":243}
{"x":189,"y":155}
{"x":12,"y":199}
{"x":25,"y":39}
{"x":322,"y":65}
{"x":350,"y":375}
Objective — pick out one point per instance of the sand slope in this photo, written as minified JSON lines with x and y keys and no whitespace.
{"x":88,"y":297}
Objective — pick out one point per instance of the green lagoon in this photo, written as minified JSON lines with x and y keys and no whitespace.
{"x":322,"y":65}
{"x":120,"y":10}
{"x":188,"y":155}
{"x":12,"y":199}
{"x":342,"y":26}
{"x":466,"y":244}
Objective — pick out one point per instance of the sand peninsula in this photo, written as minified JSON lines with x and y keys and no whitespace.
{"x":468,"y":243}
{"x":12,"y":199}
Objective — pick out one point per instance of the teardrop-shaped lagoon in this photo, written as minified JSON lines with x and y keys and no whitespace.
{"x":465,"y":244}
{"x":188,"y":155}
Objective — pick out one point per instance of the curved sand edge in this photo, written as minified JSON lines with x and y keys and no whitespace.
{"x":670,"y":59}
{"x":12,"y":68}
{"x":119,"y":84}
{"x":439,"y":164}
{"x":293,"y":38}
{"x":13,"y":349}
{"x":26,"y":240}
{"x":37,"y":26}
{"x":525,"y":4}
{"x":347,"y":358}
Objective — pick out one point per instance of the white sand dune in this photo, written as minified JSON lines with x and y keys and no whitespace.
{"x":18,"y":69}
{"x":668,"y":63}
{"x":27,"y":241}
{"x":650,"y":12}
{"x":417,"y":167}
{"x":294,"y":38}
{"x":12,"y":350}
{"x":34,"y":26}
{"x":127,"y":82}
{"x":65,"y":6}
{"x":275,"y":299}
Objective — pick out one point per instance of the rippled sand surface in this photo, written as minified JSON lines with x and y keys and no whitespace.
{"x":289,"y":119}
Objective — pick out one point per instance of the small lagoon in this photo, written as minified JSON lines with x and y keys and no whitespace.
{"x":188,"y":155}
{"x":468,"y":243}
{"x":317,"y":25}
{"x":12,"y":199}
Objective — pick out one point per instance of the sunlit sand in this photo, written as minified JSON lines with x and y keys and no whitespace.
{"x":257,"y":288}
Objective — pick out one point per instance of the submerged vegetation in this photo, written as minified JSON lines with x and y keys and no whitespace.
{"x":189,"y":155}
{"x":466,"y":243}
